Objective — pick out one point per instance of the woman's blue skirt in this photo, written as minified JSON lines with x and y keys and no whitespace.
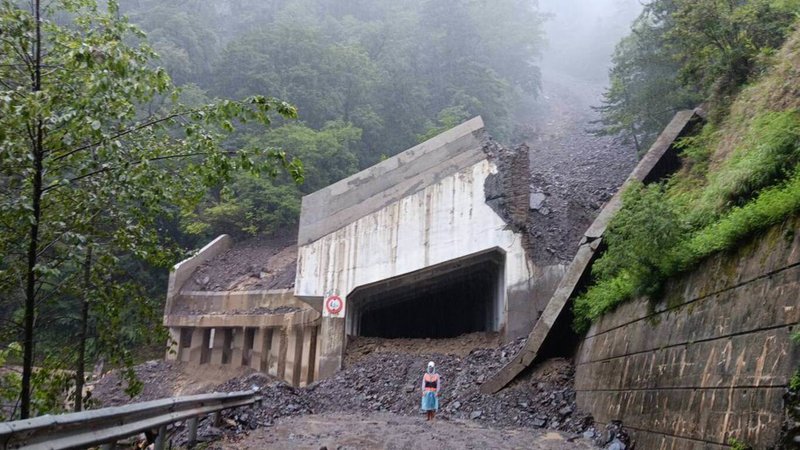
{"x":430,"y":402}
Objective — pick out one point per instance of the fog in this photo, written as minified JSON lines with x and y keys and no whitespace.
{"x":581,"y":34}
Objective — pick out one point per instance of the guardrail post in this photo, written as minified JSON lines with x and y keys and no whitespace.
{"x":192,"y":438}
{"x":216,"y":418}
{"x":107,"y":447}
{"x":161,"y":439}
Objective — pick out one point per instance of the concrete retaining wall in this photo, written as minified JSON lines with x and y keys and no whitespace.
{"x":231,"y":302}
{"x":268,"y":330}
{"x":372,"y":189}
{"x":710,"y":361}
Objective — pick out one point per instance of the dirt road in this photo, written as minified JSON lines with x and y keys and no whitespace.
{"x":393,"y":431}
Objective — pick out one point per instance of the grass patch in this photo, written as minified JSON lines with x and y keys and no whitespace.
{"x":653,"y":237}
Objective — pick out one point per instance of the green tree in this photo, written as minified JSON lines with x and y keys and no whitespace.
{"x":681,"y":53}
{"x":253,"y":205}
{"x":85,"y":157}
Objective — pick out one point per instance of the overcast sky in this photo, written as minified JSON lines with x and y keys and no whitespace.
{"x":582,"y":33}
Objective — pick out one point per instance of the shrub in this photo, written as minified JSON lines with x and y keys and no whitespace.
{"x":768,"y":155}
{"x":647,"y":243}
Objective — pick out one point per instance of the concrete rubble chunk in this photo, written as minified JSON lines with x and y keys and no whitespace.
{"x":537,"y":200}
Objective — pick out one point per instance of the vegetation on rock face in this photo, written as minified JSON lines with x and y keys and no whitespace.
{"x":736,"y":180}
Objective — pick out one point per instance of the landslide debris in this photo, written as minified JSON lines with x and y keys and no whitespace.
{"x":255,"y":264}
{"x":573,"y":172}
{"x":383,"y":376}
{"x":389,"y":382}
{"x":161,"y":379}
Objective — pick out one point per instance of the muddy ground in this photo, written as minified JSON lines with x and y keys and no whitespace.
{"x":391,"y":431}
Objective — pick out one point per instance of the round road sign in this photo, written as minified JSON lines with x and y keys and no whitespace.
{"x":334,"y":305}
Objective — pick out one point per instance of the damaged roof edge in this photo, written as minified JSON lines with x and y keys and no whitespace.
{"x":365,"y":192}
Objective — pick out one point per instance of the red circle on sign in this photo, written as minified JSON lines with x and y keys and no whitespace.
{"x":334,"y":304}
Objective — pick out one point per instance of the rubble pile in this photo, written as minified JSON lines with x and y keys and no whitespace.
{"x":386,"y":376}
{"x":278,"y":400}
{"x":391,"y":382}
{"x":157,"y":378}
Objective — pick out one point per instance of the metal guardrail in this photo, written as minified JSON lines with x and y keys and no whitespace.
{"x":103,"y":427}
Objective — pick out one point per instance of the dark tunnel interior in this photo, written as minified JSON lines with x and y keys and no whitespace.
{"x":446,"y":303}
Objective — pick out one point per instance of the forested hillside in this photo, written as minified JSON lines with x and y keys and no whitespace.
{"x":369,"y":79}
{"x":681,"y":53}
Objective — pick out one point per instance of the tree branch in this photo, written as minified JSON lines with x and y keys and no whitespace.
{"x":126,"y":132}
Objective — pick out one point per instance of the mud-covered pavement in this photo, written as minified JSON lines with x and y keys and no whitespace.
{"x":394,"y":431}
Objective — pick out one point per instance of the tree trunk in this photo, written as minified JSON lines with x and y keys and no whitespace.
{"x":80,"y":369}
{"x":33,"y":243}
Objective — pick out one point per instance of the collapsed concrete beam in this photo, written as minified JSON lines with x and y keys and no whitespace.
{"x":661,"y":160}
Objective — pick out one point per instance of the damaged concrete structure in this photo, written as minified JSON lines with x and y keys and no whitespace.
{"x":422,"y":244}
{"x":268,"y":330}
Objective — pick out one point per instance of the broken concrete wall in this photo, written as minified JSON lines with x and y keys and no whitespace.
{"x":182,"y":271}
{"x":508,"y":193}
{"x":710,"y":360}
{"x":660,"y":160}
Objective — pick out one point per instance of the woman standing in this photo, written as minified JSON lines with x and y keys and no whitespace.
{"x":431,"y":383}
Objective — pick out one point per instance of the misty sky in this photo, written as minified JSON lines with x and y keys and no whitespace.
{"x":582,"y":34}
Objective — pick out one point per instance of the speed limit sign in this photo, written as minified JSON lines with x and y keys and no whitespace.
{"x":334,"y":306}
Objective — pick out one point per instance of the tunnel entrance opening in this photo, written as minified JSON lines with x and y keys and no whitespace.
{"x":443,"y":301}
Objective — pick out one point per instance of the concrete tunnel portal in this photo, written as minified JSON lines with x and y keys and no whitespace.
{"x":443,"y":301}
{"x":420,"y":245}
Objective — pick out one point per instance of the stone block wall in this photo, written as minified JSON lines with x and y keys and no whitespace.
{"x":709,"y":361}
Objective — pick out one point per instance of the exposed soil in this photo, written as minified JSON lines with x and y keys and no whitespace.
{"x":573,"y":172}
{"x":254,"y":264}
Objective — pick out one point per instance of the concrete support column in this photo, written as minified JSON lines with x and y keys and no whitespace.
{"x":195,"y":349}
{"x":218,"y":346}
{"x":309,"y":355}
{"x":277,"y":353}
{"x":294,"y":355}
{"x":332,"y":348}
{"x":258,"y":355}
{"x":238,"y":347}
{"x":174,"y":344}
